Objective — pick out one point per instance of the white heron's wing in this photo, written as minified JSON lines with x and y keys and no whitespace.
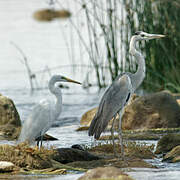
{"x":113,"y":100}
{"x":39,"y":121}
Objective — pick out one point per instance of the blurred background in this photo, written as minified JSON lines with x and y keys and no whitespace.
{"x":88,"y":40}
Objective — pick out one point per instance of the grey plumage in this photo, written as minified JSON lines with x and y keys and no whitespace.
{"x":111,"y":103}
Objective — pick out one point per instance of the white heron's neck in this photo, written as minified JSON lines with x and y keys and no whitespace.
{"x":57,"y":92}
{"x":138,"y":77}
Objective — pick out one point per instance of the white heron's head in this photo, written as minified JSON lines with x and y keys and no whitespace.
{"x":140,"y":35}
{"x":58,"y":78}
{"x":65,"y":79}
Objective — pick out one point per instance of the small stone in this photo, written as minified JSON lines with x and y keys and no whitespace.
{"x":6,"y":166}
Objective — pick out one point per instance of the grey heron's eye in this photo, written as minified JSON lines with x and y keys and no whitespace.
{"x":142,"y":35}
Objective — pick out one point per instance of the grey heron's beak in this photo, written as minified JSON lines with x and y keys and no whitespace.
{"x":70,"y":80}
{"x":155,"y":36}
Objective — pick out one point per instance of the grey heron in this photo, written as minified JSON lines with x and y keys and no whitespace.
{"x":44,"y":113}
{"x":119,"y":92}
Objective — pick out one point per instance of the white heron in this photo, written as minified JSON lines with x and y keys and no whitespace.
{"x":44,"y":114}
{"x":118,"y":94}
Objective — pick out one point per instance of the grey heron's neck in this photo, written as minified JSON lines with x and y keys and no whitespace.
{"x":138,"y":77}
{"x":57,"y":92}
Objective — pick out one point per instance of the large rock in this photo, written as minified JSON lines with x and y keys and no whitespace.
{"x":157,"y":110}
{"x":173,"y":155}
{"x":9,"y":119}
{"x":167,"y":143}
{"x":6,"y":166}
{"x":103,"y":173}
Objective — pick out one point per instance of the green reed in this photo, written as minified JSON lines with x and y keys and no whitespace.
{"x":110,"y":26}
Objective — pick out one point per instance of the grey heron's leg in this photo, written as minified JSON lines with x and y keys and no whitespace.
{"x":112,"y":135}
{"x":120,"y":132}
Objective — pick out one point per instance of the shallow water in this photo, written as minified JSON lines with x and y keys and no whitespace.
{"x":44,"y":45}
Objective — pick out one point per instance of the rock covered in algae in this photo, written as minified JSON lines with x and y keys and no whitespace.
{"x":9,"y":119}
{"x":173,"y":155}
{"x":105,"y":173}
{"x":167,"y":143}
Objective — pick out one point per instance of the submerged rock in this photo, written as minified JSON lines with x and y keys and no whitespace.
{"x":173,"y":155}
{"x":167,"y":143}
{"x":103,"y":173}
{"x":9,"y":119}
{"x":6,"y":166}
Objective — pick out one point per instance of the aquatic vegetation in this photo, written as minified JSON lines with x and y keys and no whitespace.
{"x":24,"y":156}
{"x":132,"y":149}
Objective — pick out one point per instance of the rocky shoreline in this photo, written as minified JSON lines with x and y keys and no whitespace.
{"x":25,"y":159}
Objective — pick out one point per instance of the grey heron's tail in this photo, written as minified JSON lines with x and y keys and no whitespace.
{"x":95,"y":128}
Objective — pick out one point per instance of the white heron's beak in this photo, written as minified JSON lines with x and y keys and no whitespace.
{"x":70,"y":80}
{"x":154,"y":36}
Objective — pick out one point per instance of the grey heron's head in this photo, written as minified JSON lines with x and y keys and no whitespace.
{"x":140,"y":35}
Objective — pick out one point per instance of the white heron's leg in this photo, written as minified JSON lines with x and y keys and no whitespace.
{"x":120,"y":133}
{"x":112,"y":135}
{"x":41,"y":140}
{"x":38,"y":142}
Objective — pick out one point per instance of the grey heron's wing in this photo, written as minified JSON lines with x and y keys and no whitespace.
{"x":113,"y":100}
{"x":38,"y":122}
